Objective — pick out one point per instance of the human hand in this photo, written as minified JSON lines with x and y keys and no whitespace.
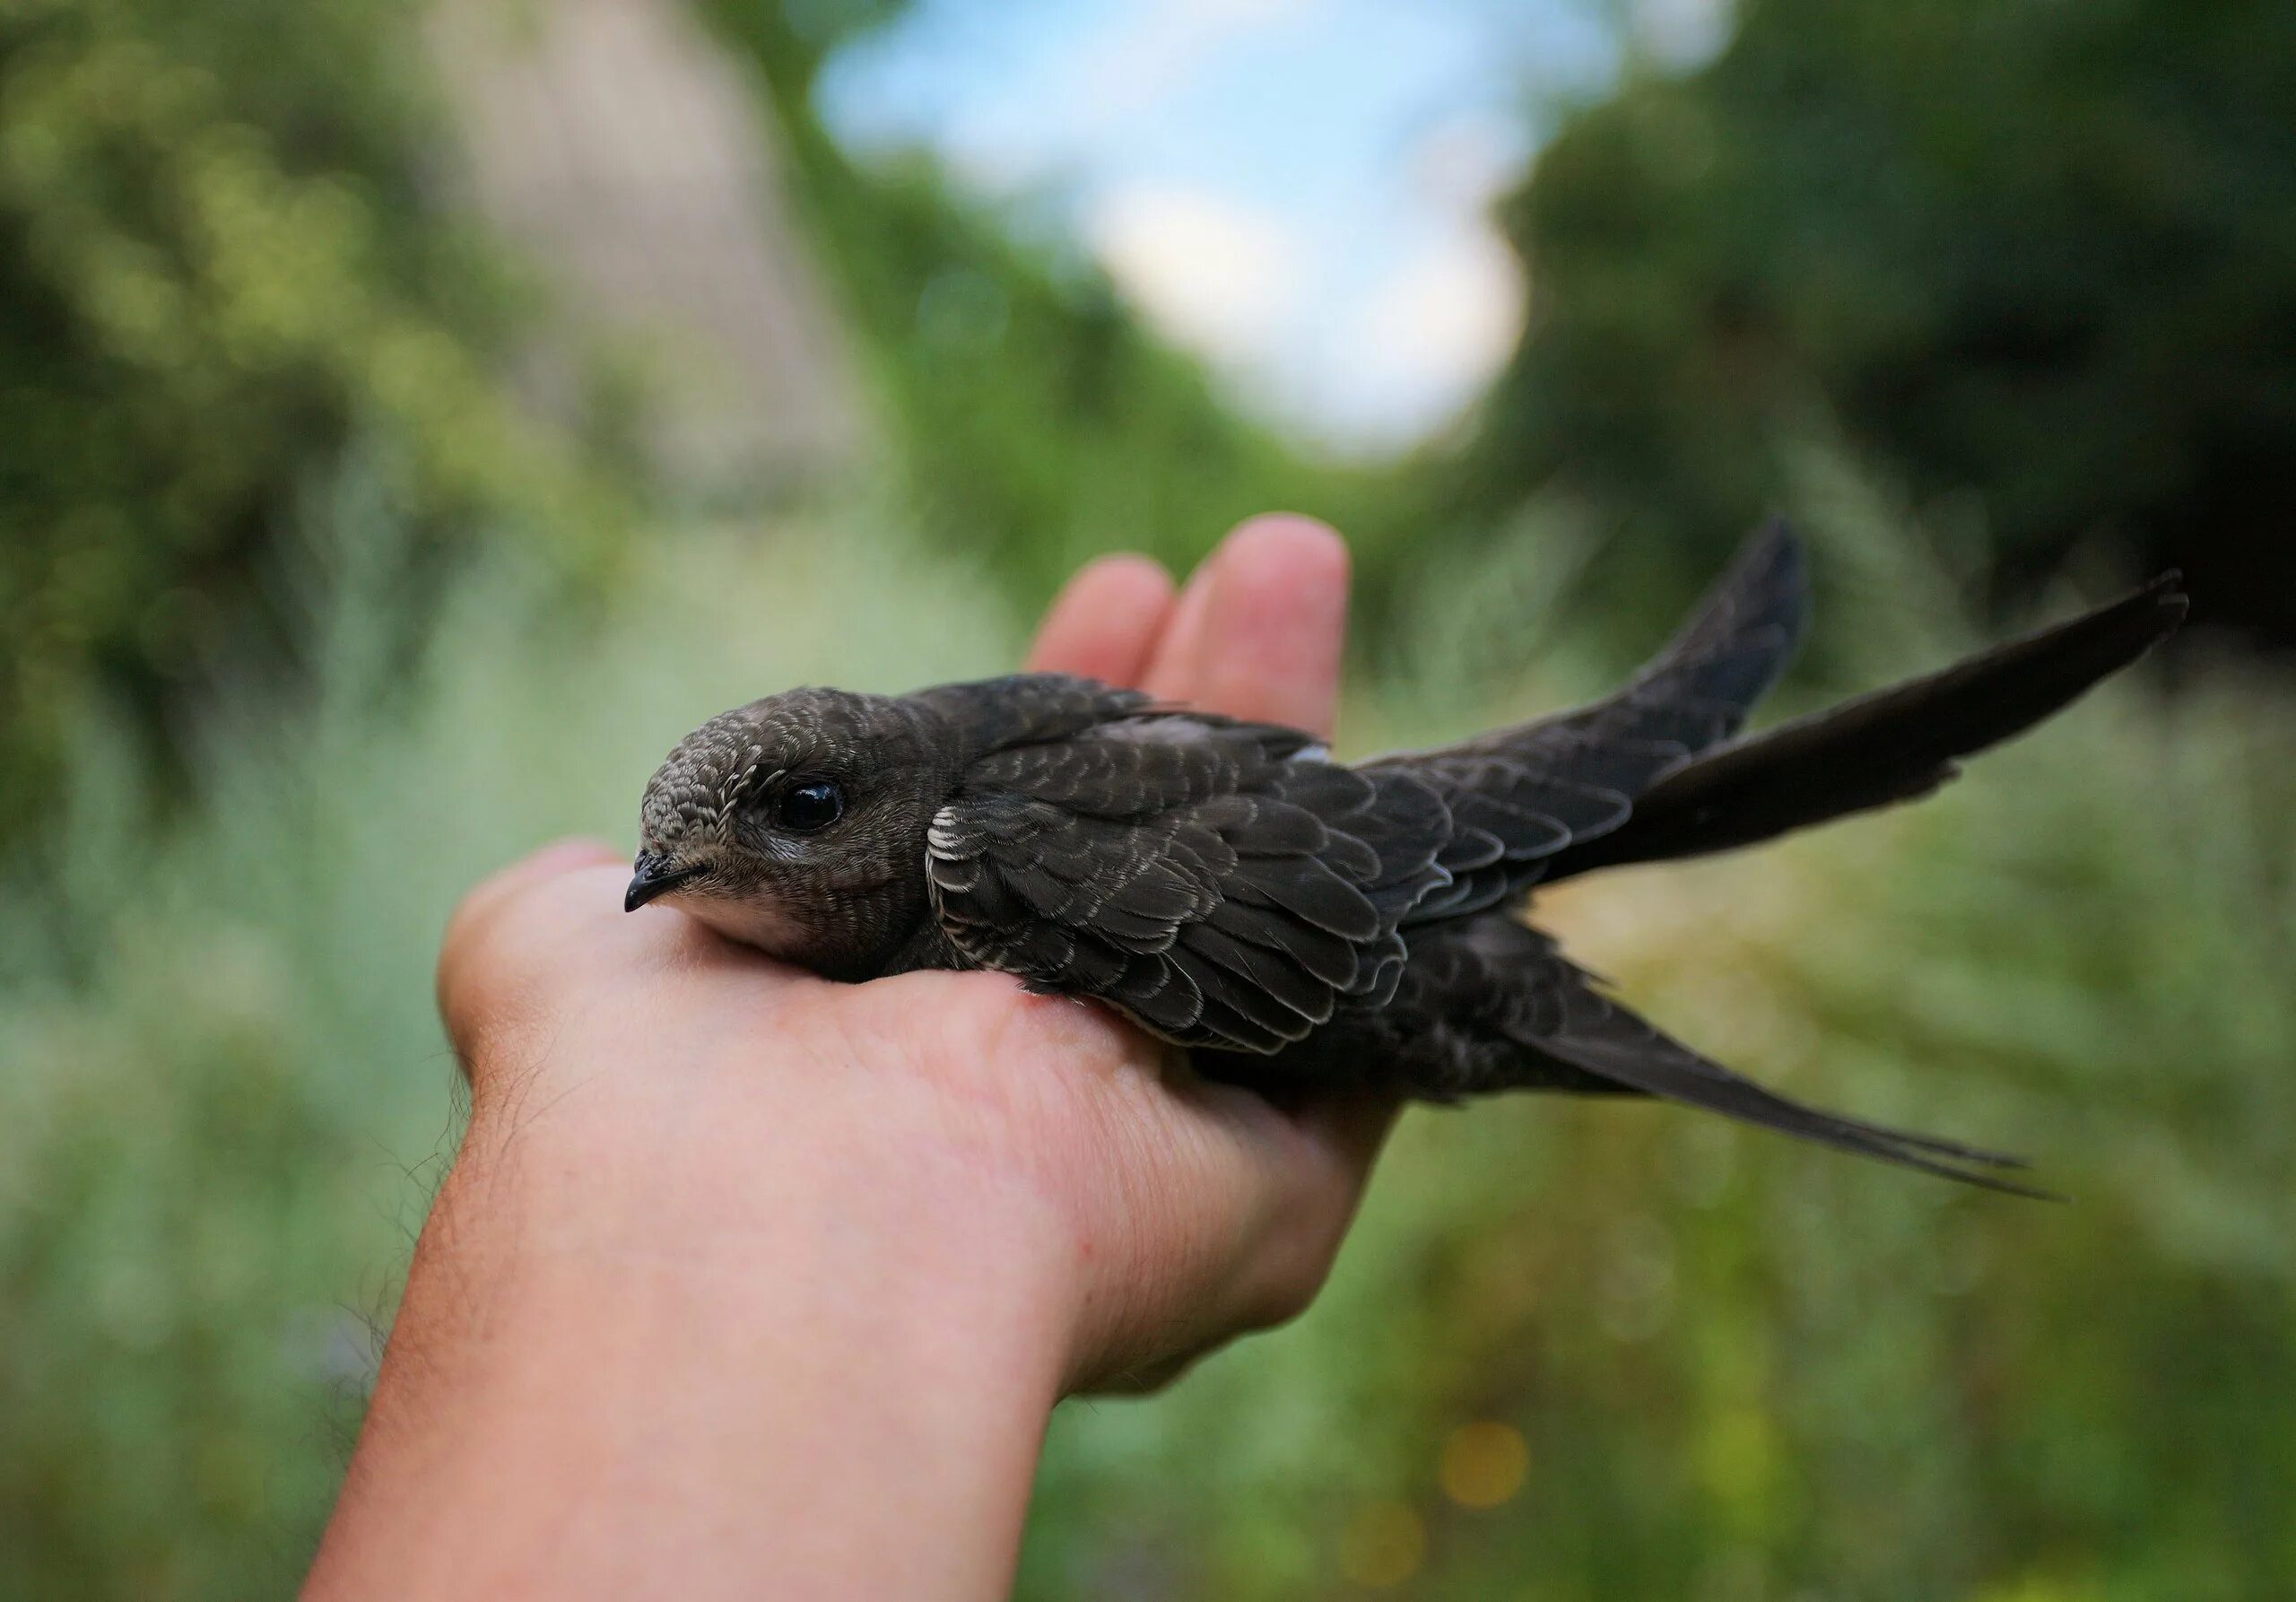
{"x":745,"y":1280}
{"x":1170,"y":1213}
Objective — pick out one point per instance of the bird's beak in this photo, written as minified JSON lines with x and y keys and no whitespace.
{"x":655,"y":875}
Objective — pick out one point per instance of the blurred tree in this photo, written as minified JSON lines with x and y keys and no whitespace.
{"x":1037,"y":420}
{"x":219,"y":262}
{"x":2044,"y":253}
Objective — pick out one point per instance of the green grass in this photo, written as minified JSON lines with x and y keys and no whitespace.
{"x":1743,"y":1368}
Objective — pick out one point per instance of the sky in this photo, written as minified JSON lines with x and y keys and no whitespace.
{"x":1297,"y":190}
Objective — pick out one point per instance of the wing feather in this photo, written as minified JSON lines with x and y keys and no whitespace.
{"x":1545,"y":787}
{"x":1216,"y":880}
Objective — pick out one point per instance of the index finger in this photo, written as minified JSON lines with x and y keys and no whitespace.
{"x":1105,"y":621}
{"x":558,"y":857}
{"x":1260,"y":632}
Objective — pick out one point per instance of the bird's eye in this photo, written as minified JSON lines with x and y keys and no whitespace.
{"x":809,"y":805}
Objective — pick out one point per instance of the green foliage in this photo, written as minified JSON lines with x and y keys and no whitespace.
{"x":219,"y":262}
{"x":1038,"y":420}
{"x":2041,"y":253}
{"x":1743,"y":1368}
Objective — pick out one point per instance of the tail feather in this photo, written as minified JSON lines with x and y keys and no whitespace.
{"x":1659,"y":1066}
{"x":1541,"y":1001}
{"x":1895,"y":744}
{"x":1491,"y":1004}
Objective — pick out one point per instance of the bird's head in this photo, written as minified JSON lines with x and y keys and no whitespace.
{"x":797,"y":824}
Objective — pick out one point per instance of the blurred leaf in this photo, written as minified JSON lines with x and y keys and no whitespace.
{"x":220,"y":260}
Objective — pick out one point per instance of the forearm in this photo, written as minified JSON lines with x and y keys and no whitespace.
{"x":612,"y":1375}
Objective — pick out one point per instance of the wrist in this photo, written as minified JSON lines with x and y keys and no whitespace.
{"x":841,"y":1327}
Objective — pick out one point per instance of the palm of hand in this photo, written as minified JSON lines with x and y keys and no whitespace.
{"x":1194,"y":1211}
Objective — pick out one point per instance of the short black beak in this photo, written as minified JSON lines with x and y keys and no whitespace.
{"x":655,"y":875}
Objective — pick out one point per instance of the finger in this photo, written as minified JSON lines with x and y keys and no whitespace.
{"x":558,"y":857}
{"x":1265,"y":643}
{"x":1148,"y":1379}
{"x":1171,"y":671}
{"x":1318,"y":1180}
{"x":466,"y":923}
{"x":1353,"y":1127}
{"x":1106,"y":621}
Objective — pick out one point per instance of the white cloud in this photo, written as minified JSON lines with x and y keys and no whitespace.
{"x":1684,"y":34}
{"x":1468,"y":160}
{"x":1217,"y":276}
{"x":1437,"y":329}
{"x":1352,"y":290}
{"x":1095,"y":93}
{"x":1144,"y":58}
{"x":1367,"y":368}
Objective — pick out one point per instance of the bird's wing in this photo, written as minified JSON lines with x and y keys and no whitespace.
{"x":1502,"y":983}
{"x":1188,"y":870}
{"x":1894,"y":744}
{"x":1523,"y":794}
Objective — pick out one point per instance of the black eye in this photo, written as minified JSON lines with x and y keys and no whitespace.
{"x":808,"y":805}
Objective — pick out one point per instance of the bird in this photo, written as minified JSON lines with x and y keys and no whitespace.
{"x":1301,"y":924}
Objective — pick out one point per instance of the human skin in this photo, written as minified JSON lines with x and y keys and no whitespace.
{"x":746,"y":1283}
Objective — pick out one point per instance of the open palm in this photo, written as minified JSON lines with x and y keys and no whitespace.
{"x":1194,"y":1212}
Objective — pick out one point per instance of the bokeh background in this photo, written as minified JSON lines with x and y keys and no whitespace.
{"x":412,"y":418}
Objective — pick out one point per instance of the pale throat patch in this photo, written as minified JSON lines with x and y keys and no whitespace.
{"x":752,"y":919}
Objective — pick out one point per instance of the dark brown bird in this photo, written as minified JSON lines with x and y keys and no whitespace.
{"x":1295,"y":920}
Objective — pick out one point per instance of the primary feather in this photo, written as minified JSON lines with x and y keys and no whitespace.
{"x":1228,"y":886}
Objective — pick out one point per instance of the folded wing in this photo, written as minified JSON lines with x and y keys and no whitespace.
{"x":1188,"y":871}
